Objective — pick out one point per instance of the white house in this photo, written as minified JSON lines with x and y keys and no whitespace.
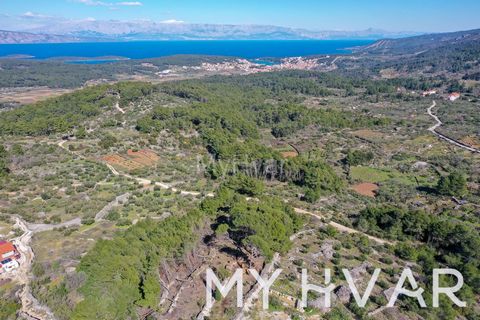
{"x":8,"y":256}
{"x":8,"y":265}
{"x":453,"y":96}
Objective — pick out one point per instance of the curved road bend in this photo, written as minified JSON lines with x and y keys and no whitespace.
{"x":433,"y":129}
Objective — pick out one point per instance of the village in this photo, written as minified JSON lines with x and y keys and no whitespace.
{"x":294,"y":63}
{"x":453,"y":96}
{"x":245,"y":66}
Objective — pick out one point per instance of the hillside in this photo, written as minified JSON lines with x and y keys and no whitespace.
{"x":131,"y":190}
{"x":12,"y":37}
{"x":149,"y":172}
{"x":454,"y":54}
{"x":422,"y":43}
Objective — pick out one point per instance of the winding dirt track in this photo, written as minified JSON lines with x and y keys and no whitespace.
{"x":116,"y":202}
{"x":343,"y":228}
{"x":117,"y":106}
{"x":31,"y":308}
{"x":433,"y":129}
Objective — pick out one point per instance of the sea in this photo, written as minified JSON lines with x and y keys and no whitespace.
{"x":249,"y":49}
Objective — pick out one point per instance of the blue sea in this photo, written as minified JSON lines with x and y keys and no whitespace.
{"x":254,"y":49}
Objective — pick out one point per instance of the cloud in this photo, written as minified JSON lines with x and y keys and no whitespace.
{"x":172,"y":21}
{"x":92,"y":2}
{"x":32,"y":15}
{"x":97,"y":3}
{"x":129,"y":3}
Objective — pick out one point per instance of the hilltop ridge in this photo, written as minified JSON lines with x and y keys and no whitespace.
{"x":417,"y":44}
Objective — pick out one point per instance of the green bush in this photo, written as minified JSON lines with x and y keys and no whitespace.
{"x":358,"y":157}
{"x":455,"y":184}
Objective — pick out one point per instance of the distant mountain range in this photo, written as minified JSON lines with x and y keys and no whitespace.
{"x":12,"y":37}
{"x":97,"y":30}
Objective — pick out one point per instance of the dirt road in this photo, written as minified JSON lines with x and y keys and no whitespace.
{"x":41,"y":227}
{"x":31,"y":308}
{"x":162,"y":185}
{"x":343,"y":228}
{"x":116,"y":202}
{"x":117,"y":106}
{"x":143,"y":181}
{"x":253,"y":294}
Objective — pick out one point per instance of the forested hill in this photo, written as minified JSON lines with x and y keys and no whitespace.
{"x":413,"y":45}
{"x":452,"y":54}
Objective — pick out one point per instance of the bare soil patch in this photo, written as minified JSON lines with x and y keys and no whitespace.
{"x":366,"y":189}
{"x":389,"y":73}
{"x":287,"y":150}
{"x":368,"y":134}
{"x":133,"y":159}
{"x":30,"y":95}
{"x":289,"y":154}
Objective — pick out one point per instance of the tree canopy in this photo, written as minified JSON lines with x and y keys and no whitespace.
{"x":455,"y":184}
{"x":4,"y":170}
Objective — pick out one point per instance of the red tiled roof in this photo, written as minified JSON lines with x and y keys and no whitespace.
{"x":6,"y":247}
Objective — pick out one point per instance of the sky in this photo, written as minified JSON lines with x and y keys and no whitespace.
{"x":399,"y":15}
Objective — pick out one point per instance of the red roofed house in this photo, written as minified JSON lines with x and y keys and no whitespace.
{"x":453,"y":96}
{"x":8,"y":256}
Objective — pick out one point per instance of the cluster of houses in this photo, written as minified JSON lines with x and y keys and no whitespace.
{"x":429,"y":92}
{"x":451,"y":97}
{"x":9,"y":257}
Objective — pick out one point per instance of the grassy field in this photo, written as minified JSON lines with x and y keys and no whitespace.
{"x":382,"y":175}
{"x":373,"y":175}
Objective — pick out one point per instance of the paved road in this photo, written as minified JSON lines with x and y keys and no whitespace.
{"x":438,"y":123}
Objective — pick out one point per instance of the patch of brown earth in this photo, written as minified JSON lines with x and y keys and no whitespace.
{"x":368,"y":134}
{"x":145,"y":157}
{"x":30,"y":95}
{"x":133,"y":159}
{"x":366,"y":189}
{"x":289,"y":154}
